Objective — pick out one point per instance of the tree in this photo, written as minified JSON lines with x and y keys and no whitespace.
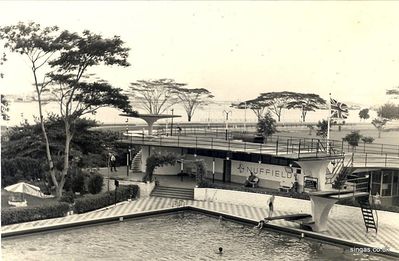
{"x":266,"y":125}
{"x":388,"y":111}
{"x":353,"y":138}
{"x":4,"y":108}
{"x":77,"y":97}
{"x":38,"y":45}
{"x":257,"y":105}
{"x":379,"y":124}
{"x":277,"y":101}
{"x":322,"y":128}
{"x":191,"y":99}
{"x":155,"y":96}
{"x":72,"y":54}
{"x":306,"y":102}
{"x":364,"y":114}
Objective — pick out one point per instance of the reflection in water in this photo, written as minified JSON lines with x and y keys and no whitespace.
{"x":182,"y":236}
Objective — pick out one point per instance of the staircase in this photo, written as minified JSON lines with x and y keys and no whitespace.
{"x":137,"y":162}
{"x":172,"y":192}
{"x":342,"y":174}
{"x":338,"y":165}
{"x":367,"y":213}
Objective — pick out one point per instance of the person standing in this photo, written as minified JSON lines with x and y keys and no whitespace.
{"x":271,"y":205}
{"x":113,"y":162}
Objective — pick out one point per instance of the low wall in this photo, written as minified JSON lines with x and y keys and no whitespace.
{"x":385,"y":218}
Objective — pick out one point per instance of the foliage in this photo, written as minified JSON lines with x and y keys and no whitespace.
{"x":266,"y":125}
{"x":157,"y":160}
{"x":201,"y":171}
{"x":388,"y":111}
{"x":15,"y":169}
{"x":379,"y":124}
{"x":191,"y":99}
{"x":306,"y":102}
{"x":277,"y":101}
{"x":257,"y":105}
{"x":364,"y":114}
{"x":4,"y":108}
{"x":68,"y":197}
{"x":25,"y":214}
{"x":155,"y":96}
{"x":78,"y":183}
{"x":95,"y":183}
{"x":97,"y":201}
{"x":353,"y":138}
{"x":367,"y":139}
{"x":322,"y":128}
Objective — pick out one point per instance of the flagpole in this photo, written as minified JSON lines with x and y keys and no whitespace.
{"x":328,"y":123}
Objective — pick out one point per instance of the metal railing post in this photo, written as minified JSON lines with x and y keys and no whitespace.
{"x":365,"y":160}
{"x":386,"y":159}
{"x":277,"y":146}
{"x":382,"y":148}
{"x":299,"y":148}
{"x":178,"y":141}
{"x":211,"y":142}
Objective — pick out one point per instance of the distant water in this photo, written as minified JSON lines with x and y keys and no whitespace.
{"x":19,"y":111}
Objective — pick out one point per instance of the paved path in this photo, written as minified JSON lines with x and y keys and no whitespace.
{"x":343,"y":229}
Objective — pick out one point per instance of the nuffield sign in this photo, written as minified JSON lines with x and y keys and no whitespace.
{"x":262,"y":171}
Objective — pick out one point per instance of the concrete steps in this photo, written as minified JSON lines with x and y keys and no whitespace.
{"x":173,"y":192}
{"x":137,"y":162}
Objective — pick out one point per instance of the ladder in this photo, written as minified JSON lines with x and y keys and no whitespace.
{"x":367,"y":213}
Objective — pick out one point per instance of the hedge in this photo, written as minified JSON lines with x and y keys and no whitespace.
{"x":93,"y":202}
{"x":25,"y":214}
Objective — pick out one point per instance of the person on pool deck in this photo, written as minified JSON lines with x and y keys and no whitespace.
{"x":271,"y":205}
{"x":252,"y":180}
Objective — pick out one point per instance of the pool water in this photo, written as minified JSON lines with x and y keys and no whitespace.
{"x":181,"y":236}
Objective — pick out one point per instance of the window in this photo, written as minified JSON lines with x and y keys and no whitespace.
{"x":386,"y":183}
{"x":395,"y":185}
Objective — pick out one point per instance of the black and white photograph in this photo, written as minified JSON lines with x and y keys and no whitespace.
{"x":199,"y":130}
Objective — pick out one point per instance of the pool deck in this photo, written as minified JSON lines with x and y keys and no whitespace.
{"x":342,"y":232}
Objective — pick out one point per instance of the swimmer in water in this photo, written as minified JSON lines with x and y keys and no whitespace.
{"x":220,"y":250}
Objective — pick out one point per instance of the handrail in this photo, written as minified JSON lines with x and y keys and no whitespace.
{"x":300,"y":148}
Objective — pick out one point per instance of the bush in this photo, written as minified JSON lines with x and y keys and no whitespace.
{"x":25,"y":214}
{"x":95,"y":183}
{"x":68,"y":197}
{"x":78,"y":183}
{"x":367,"y":139}
{"x":20,"y":168}
{"x":93,"y":202}
{"x":353,"y":138}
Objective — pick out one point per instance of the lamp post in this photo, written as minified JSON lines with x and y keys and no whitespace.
{"x":171,"y":124}
{"x":227,"y":120}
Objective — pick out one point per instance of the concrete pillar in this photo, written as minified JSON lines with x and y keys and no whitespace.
{"x":321,"y":207}
{"x":316,"y":169}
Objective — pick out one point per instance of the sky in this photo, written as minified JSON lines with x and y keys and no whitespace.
{"x":234,"y":49}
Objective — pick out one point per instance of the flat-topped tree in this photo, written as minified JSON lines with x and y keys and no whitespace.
{"x":191,"y":99}
{"x":257,"y":105}
{"x":306,"y":102}
{"x":154,"y":96}
{"x":277,"y":101}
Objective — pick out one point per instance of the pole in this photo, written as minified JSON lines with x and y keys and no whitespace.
{"x":108,"y":159}
{"x":328,"y":123}
{"x":171,"y":125}
{"x":245,"y":117}
{"x":213,"y":170}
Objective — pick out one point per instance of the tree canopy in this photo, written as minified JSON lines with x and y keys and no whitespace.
{"x":257,"y":105}
{"x":191,"y":99}
{"x":154,"y":96}
{"x":388,"y":111}
{"x":364,"y":114}
{"x":306,"y":102}
{"x":277,"y":101}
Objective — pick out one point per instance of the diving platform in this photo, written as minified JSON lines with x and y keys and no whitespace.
{"x":292,"y":217}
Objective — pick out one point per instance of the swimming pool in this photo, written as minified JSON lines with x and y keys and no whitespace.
{"x":179,"y":236}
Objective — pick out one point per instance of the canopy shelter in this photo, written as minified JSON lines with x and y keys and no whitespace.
{"x":28,"y":189}
{"x":150,"y":118}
